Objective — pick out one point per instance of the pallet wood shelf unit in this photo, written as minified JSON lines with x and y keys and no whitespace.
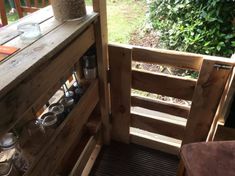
{"x":32,"y":75}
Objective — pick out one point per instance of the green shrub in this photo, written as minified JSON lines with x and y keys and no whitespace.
{"x":199,"y":26}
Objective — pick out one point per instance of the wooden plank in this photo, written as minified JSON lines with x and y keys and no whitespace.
{"x":101,"y":32}
{"x":120,"y":86}
{"x":208,"y":92}
{"x":168,"y":85}
{"x":224,"y":105}
{"x":45,"y":27}
{"x":91,"y":160}
{"x":66,"y":135}
{"x":156,"y":143}
{"x":224,"y":134}
{"x":94,"y":125}
{"x":22,"y":64}
{"x":12,"y":111}
{"x":9,"y":32}
{"x":167,"y":57}
{"x":3,"y":14}
{"x":228,"y":98}
{"x":161,"y":106}
{"x":84,"y":157}
{"x":158,"y":126}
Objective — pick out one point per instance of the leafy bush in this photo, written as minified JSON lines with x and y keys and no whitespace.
{"x":200,"y":26}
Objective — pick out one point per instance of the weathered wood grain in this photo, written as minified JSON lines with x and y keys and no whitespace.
{"x":168,"y":85}
{"x":158,"y":126}
{"x":206,"y":98}
{"x":101,"y":33}
{"x":161,"y":106}
{"x":14,"y":70}
{"x":120,"y":86}
{"x":167,"y":57}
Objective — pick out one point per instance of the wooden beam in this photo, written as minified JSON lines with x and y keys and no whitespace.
{"x":65,"y":136}
{"x":208,"y":92}
{"x":101,"y":33}
{"x":157,"y":143}
{"x":159,"y":126}
{"x":120,"y":86}
{"x":167,"y":57}
{"x":84,"y":157}
{"x":167,"y":85}
{"x":161,"y":106}
{"x":91,"y":160}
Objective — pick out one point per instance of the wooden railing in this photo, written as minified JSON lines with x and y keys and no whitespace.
{"x":196,"y":120}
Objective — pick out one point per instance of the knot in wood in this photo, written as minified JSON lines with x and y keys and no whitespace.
{"x":122,"y":109}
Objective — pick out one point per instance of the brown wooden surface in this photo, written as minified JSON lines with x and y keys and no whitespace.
{"x":172,"y":86}
{"x":9,"y":32}
{"x":155,"y":125}
{"x":3,"y":14}
{"x":84,"y":157}
{"x":207,"y":95}
{"x":167,"y":57}
{"x":224,"y":105}
{"x":91,"y":160}
{"x":64,"y":138}
{"x":101,"y":31}
{"x":224,"y":134}
{"x":120,"y":86}
{"x":161,"y":106}
{"x":21,"y":65}
{"x":50,"y":82}
{"x":154,"y":144}
{"x":228,"y":98}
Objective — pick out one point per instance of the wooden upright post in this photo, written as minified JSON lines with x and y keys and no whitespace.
{"x":120,"y":85}
{"x":208,"y":92}
{"x":3,"y":13}
{"x":101,"y":29}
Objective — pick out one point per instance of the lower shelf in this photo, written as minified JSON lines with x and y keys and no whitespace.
{"x":50,"y":159}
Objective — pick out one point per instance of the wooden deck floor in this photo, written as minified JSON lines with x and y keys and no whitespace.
{"x":132,"y":160}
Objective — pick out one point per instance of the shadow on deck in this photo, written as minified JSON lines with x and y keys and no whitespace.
{"x":133,"y":160}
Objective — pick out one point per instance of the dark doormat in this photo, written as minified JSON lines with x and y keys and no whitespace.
{"x":133,"y":160}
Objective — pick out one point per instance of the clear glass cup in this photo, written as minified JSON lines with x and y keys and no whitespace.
{"x":13,"y":152}
{"x":58,"y":109}
{"x":32,"y":137}
{"x":29,"y":31}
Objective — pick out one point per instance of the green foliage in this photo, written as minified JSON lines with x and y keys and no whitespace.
{"x":206,"y":27}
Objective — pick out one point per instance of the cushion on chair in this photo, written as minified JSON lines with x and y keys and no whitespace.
{"x":209,"y":159}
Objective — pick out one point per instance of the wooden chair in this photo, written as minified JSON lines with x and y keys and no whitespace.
{"x":29,"y":6}
{"x":3,"y":14}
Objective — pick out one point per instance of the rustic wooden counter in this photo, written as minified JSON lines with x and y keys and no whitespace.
{"x":32,"y":75}
{"x":40,"y":64}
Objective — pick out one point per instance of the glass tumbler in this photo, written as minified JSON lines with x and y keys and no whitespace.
{"x":11,"y":148}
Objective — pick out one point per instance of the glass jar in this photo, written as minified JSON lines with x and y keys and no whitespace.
{"x":58,"y":110}
{"x":32,"y":137}
{"x":78,"y":91}
{"x":49,"y":122}
{"x":89,"y":69}
{"x":14,"y":155}
{"x":68,"y":102}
